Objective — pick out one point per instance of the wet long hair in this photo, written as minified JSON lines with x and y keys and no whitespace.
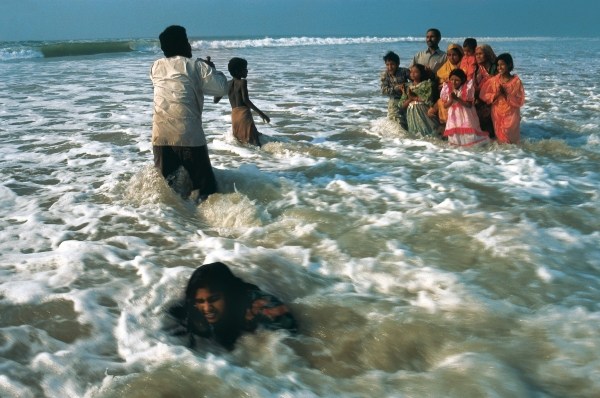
{"x":216,"y":277}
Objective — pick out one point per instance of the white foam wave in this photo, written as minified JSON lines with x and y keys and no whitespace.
{"x":25,"y":50}
{"x":7,"y":54}
{"x":298,"y":41}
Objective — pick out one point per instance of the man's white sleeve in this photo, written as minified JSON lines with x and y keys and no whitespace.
{"x":213,"y":82}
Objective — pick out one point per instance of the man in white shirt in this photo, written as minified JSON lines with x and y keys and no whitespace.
{"x":180,"y":84}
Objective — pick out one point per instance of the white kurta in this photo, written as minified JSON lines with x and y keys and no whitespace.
{"x":180,"y":84}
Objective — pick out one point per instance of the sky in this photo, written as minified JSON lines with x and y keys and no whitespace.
{"x":113,"y":19}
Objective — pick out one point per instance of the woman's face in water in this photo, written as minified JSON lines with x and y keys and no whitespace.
{"x":211,"y":304}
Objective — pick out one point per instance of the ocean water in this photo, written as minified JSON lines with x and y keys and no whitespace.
{"x":414,"y":269}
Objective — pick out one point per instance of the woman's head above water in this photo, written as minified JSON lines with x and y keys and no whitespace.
{"x":220,"y":306}
{"x":213,"y":291}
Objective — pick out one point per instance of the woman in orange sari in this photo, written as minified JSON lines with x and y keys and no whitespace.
{"x":506,"y":95}
{"x":486,"y":68}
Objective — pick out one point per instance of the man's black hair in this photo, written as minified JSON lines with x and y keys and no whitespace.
{"x":174,"y":42}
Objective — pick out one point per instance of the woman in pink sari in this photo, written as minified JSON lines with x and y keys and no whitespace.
{"x":506,"y":95}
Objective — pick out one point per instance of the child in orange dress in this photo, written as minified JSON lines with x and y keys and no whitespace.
{"x":468,"y":63}
{"x":506,"y":95}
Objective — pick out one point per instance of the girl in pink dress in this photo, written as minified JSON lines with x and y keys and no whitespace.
{"x":506,"y":95}
{"x":462,"y":126}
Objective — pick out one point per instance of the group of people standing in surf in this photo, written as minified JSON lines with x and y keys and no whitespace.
{"x":466,"y":95}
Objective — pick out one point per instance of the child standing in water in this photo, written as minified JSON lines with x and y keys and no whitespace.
{"x":462,"y":126}
{"x":244,"y":129}
{"x":506,"y":95}
{"x":468,"y":62}
{"x":392,"y":80}
{"x":416,"y":99}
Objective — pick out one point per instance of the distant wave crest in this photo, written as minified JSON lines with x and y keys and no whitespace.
{"x":23,"y":50}
{"x":296,"y":41}
{"x":328,"y":41}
